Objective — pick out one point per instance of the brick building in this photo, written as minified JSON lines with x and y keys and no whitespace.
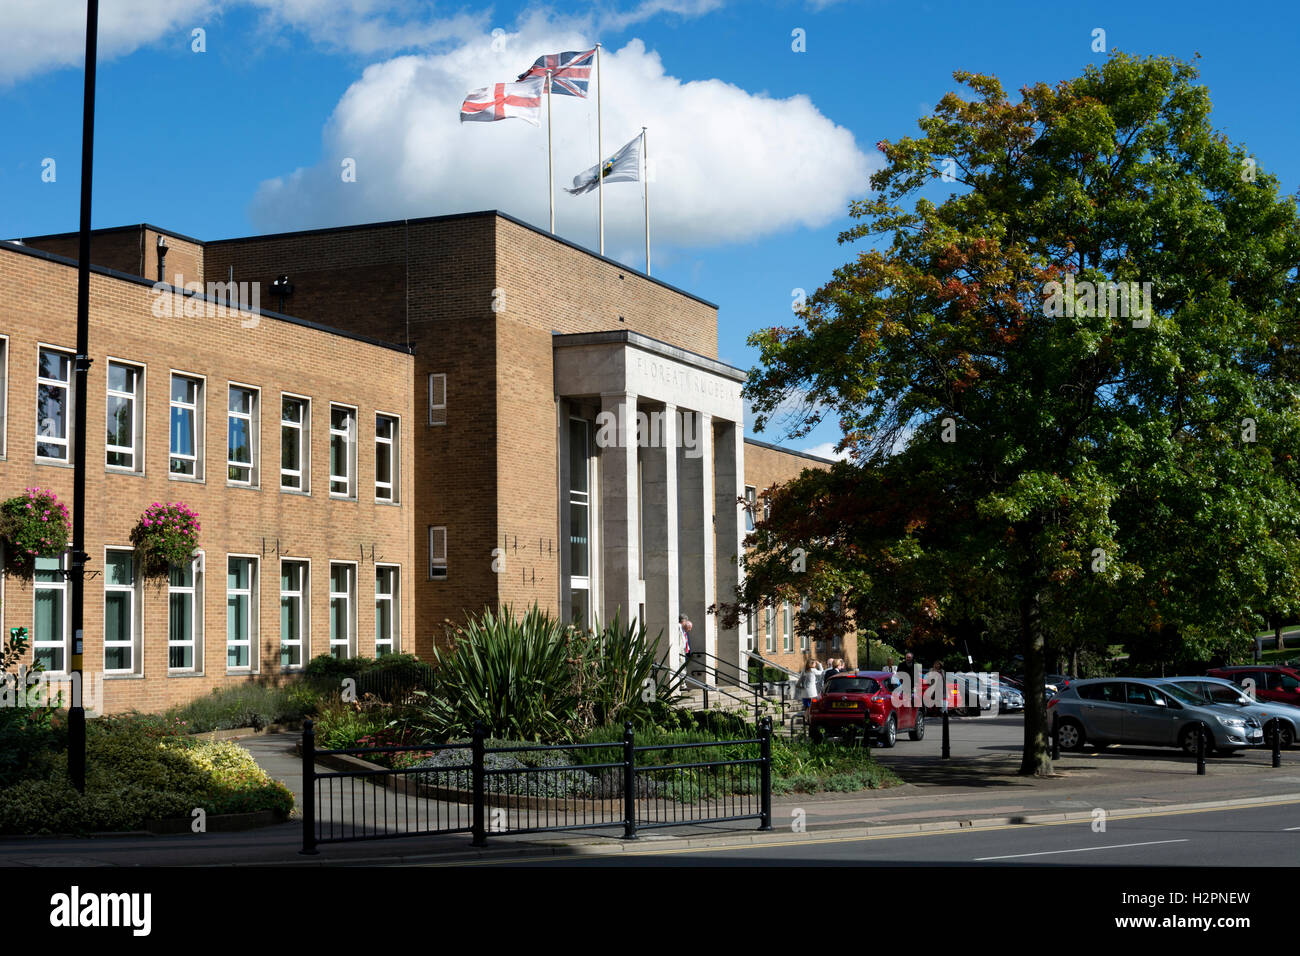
{"x":473,"y":413}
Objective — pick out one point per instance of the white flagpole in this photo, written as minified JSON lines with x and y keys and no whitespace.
{"x":645,"y":188}
{"x":550,"y":157}
{"x":600,"y":158}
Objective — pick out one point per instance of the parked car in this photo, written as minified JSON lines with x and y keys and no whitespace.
{"x":1275,"y":683}
{"x":1147,"y":711}
{"x":865,"y":703}
{"x":982,"y":692}
{"x":1273,"y":716}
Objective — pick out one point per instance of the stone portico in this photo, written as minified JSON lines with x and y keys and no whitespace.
{"x":651,"y":486}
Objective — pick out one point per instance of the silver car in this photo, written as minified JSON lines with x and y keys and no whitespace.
{"x":1285,"y":717}
{"x":1135,"y":710}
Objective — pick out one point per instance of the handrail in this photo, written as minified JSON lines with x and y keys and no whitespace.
{"x":772,"y":664}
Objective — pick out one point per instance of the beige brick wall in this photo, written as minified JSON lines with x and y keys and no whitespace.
{"x":38,"y":304}
{"x":764,"y":468}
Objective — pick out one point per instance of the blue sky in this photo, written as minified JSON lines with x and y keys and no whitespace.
{"x":758,"y":148}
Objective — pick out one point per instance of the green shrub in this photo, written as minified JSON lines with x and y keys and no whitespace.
{"x":244,"y":705}
{"x":341,"y":726}
{"x":139,"y":770}
{"x":530,"y":677}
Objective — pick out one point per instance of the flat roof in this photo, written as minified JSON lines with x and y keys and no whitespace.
{"x":645,"y":342}
{"x":450,"y":217}
{"x":790,"y":451}
{"x":139,"y":280}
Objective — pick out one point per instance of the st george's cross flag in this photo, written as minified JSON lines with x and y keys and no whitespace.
{"x":570,"y":72}
{"x":623,"y":167}
{"x":503,"y":101}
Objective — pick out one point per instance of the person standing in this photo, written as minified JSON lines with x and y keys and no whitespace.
{"x":806,"y":689}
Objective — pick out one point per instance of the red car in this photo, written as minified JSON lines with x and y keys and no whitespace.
{"x":1271,"y":682}
{"x":865,"y":703}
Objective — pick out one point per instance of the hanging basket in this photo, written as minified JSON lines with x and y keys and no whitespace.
{"x":167,"y":535}
{"x":32,"y":525}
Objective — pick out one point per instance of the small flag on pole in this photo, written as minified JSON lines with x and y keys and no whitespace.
{"x":570,"y":72}
{"x":503,"y":101}
{"x":623,"y":167}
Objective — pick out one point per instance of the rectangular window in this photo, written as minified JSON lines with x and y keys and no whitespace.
{"x":787,"y":631}
{"x":121,"y":604}
{"x":187,"y":427}
{"x":769,"y":627}
{"x":437,"y":554}
{"x":241,"y":444}
{"x":751,"y":506}
{"x":751,"y":628}
{"x":293,"y":617}
{"x":241,"y":589}
{"x":50,"y":622}
{"x":438,"y":399}
{"x":343,"y":451}
{"x":295,"y":440}
{"x":184,"y":615}
{"x":342,"y":610}
{"x":386,"y":431}
{"x":53,"y":405}
{"x":123,"y":414}
{"x":387,"y":610}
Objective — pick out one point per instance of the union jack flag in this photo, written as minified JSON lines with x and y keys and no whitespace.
{"x":570,"y":72}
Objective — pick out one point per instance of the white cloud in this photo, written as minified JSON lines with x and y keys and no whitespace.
{"x":36,"y":35}
{"x":826,"y":450}
{"x":728,"y":165}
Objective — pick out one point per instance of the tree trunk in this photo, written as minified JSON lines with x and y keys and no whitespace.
{"x":1036,"y":759}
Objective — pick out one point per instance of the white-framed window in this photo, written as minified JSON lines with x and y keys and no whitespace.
{"x":187,"y":402}
{"x":242,"y":436}
{"x":124,"y":417}
{"x":295,"y":443}
{"x":579,"y":500}
{"x":343,"y":610}
{"x":751,"y":628}
{"x":388,"y":609}
{"x":438,"y":399}
{"x":121,"y":612}
{"x":787,"y":627}
{"x":241,"y":612}
{"x":343,"y":451}
{"x":769,"y":628}
{"x":803,"y":638}
{"x":185,"y":616}
{"x":387,"y":429}
{"x":53,"y":404}
{"x":751,"y":506}
{"x":294,"y":602}
{"x":50,"y":621}
{"x":767,"y":508}
{"x":437,"y":553}
{"x":4,"y":395}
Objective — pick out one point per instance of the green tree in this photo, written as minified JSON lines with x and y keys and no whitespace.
{"x":1033,"y":440}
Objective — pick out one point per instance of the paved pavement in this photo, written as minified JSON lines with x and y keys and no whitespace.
{"x":977,"y":787}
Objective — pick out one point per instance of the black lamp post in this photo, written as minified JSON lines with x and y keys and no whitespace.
{"x":78,"y":557}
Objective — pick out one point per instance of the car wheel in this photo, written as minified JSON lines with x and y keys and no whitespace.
{"x":889,"y":733}
{"x":1187,"y":739}
{"x":918,"y":732}
{"x":1288,"y":734}
{"x":1070,"y":733}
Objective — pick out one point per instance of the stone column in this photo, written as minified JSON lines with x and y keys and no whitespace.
{"x":659,"y":461}
{"x":695,"y":529}
{"x":616,"y":437}
{"x":729,"y":481}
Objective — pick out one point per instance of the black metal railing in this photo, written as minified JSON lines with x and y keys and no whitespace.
{"x":584,"y":786}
